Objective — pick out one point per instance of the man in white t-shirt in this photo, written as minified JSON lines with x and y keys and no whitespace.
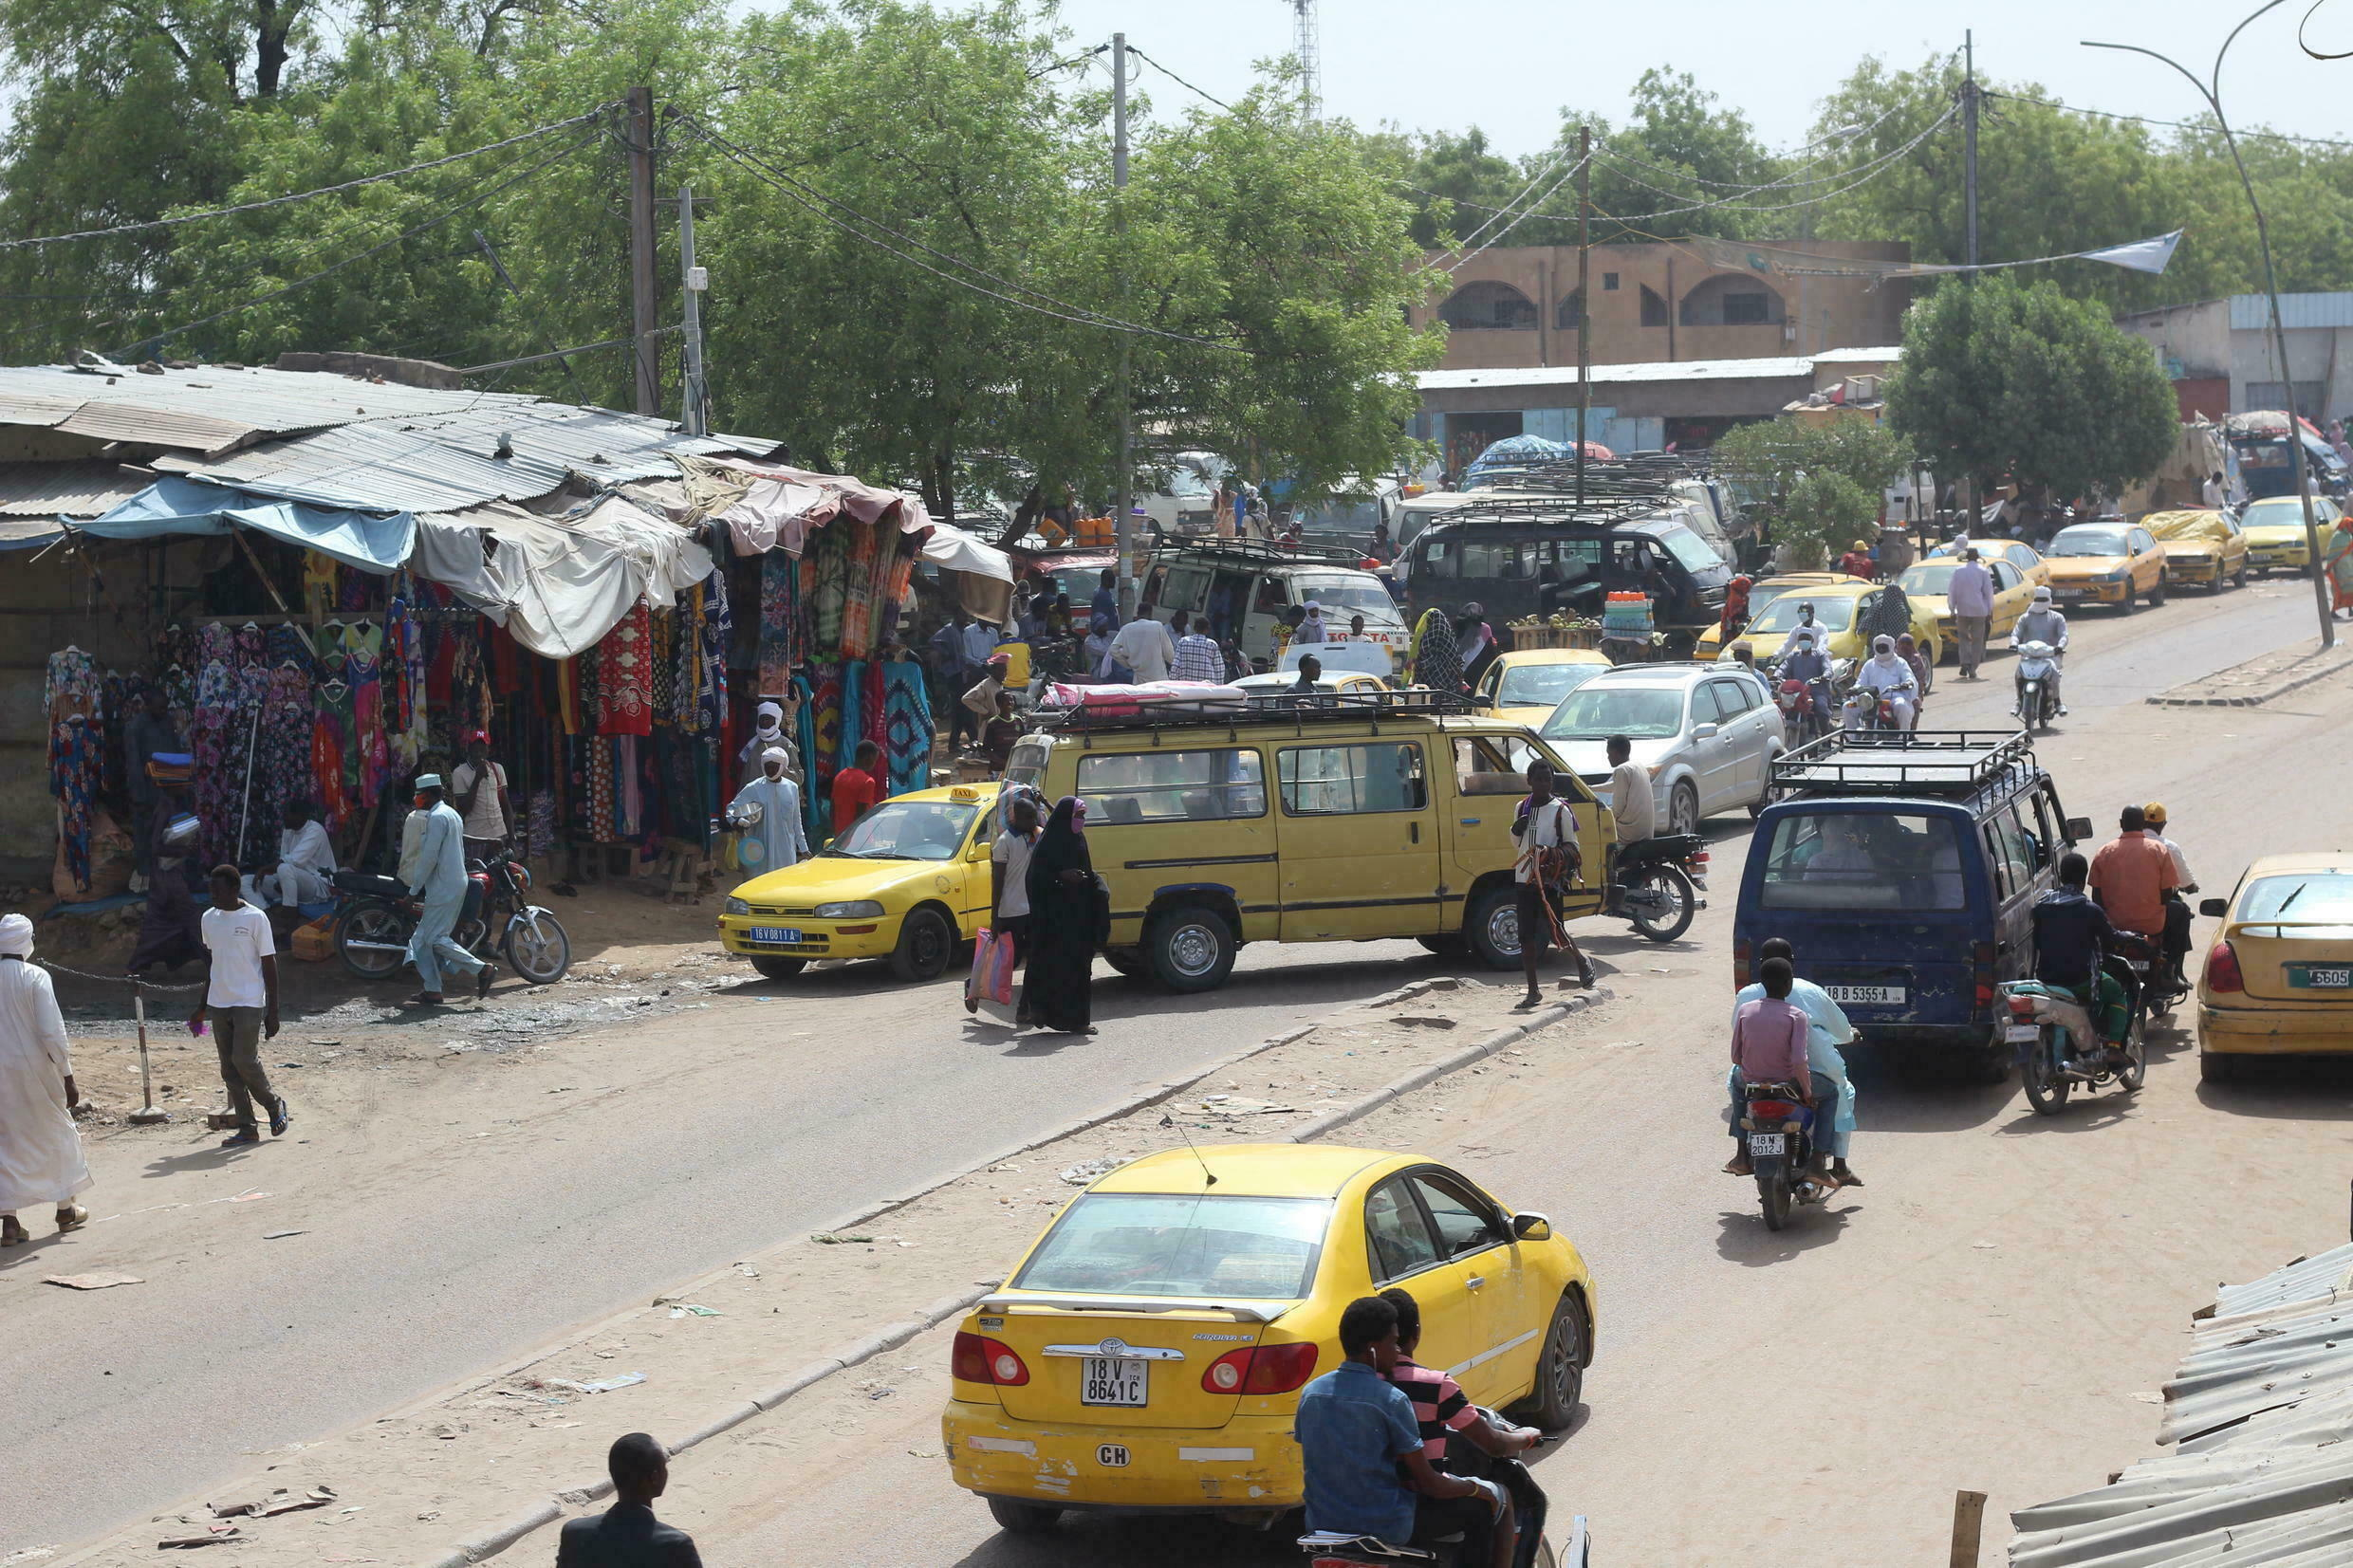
{"x":1634,"y":808}
{"x":242,"y":1001}
{"x":1144,"y":646}
{"x":1009,"y":889}
{"x":1549,"y":862}
{"x":478,"y":791}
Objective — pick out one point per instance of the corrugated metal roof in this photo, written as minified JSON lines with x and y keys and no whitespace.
{"x":2305,"y":1280}
{"x":66,"y":489}
{"x":212,"y":398}
{"x":2252,"y":312}
{"x":1778,"y":367}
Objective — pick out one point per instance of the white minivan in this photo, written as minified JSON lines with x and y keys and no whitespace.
{"x":1247,"y":587}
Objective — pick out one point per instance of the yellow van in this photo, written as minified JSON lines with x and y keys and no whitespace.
{"x":1275,"y":820}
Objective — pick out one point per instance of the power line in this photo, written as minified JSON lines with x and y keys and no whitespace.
{"x":1066,"y":64}
{"x":810,"y":197}
{"x":1566,"y":175}
{"x":435,"y":221}
{"x":1178,"y":80}
{"x":2173,"y":124}
{"x":303,"y":195}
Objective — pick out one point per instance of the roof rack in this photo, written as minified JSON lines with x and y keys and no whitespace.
{"x":1220,"y":711}
{"x":1922,"y":761}
{"x":1260,"y":552}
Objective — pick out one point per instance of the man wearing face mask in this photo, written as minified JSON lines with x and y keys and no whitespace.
{"x":433,"y":867}
{"x":768,"y":730}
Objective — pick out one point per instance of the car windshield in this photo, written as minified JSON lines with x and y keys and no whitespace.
{"x":2325,"y":897}
{"x":1153,"y":1244}
{"x":1346,"y":514}
{"x":1346,"y":593}
{"x":907,"y":830}
{"x":1638,"y":713}
{"x":1694,"y":553}
{"x":2080,"y":540}
{"x":1834,"y":859}
{"x":2279,"y":513}
{"x":1928,"y":577}
{"x":1542,"y":685}
{"x":1831,"y":615}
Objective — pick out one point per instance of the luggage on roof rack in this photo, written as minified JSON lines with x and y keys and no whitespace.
{"x":1257,"y":552}
{"x":1270,"y":707}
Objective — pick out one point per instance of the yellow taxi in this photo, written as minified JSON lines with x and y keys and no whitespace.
{"x":2275,"y":528}
{"x":2017,"y":552}
{"x":1840,"y":609}
{"x":2279,"y":979}
{"x":2110,"y":561}
{"x":908,"y":881}
{"x":1762,"y":593}
{"x":1148,"y":1351}
{"x":2200,"y":547}
{"x":1523,"y":687}
{"x":1926,"y":583}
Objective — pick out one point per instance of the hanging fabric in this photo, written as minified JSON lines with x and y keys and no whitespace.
{"x":625,"y":676}
{"x":908,"y":725}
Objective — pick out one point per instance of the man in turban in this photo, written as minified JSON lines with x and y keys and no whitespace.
{"x":39,"y":1151}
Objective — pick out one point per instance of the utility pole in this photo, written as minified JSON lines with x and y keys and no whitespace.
{"x":1585,"y":312}
{"x":695,"y":396}
{"x":1123,"y":499}
{"x":1969,"y":214}
{"x":642,"y":296}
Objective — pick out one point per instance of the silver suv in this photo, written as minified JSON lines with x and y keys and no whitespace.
{"x":1707,"y":732}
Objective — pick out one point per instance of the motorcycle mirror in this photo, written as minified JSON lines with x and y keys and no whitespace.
{"x":2079,"y":829}
{"x":2213,"y":909}
{"x":1531,"y":1228}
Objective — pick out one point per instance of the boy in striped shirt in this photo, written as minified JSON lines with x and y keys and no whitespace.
{"x":1439,"y":1404}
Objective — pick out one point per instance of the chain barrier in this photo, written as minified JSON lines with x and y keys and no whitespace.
{"x":131,"y":980}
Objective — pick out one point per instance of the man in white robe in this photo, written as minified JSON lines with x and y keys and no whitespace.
{"x":40,"y":1149}
{"x":780,"y":837}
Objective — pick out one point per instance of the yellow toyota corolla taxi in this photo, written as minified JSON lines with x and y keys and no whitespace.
{"x":2279,"y":979}
{"x":1148,"y":1351}
{"x":1762,"y":593}
{"x":907,"y":882}
{"x":1838,"y":611}
{"x":2200,"y":547}
{"x":2275,"y":531}
{"x":2107,"y":562}
{"x":1523,"y":687}
{"x":1928,"y":584}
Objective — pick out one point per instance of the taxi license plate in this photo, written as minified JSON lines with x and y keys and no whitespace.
{"x":1768,"y":1143}
{"x":1112,"y":1380}
{"x":1888,"y":995}
{"x":773,"y":934}
{"x":2067,"y":593}
{"x":2320,"y":977}
{"x":2022,"y":1033}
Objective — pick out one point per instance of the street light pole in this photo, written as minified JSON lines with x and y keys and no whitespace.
{"x":2211,"y":90}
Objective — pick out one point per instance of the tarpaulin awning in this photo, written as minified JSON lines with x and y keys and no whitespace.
{"x":169,"y":506}
{"x":780,"y":505}
{"x":559,"y":583}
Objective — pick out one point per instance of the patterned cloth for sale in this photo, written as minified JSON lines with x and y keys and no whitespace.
{"x":907,"y":738}
{"x":625,"y":676}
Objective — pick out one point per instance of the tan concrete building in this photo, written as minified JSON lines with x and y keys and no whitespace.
{"x":1515,"y":308}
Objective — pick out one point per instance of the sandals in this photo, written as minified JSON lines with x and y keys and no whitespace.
{"x":421,"y":1000}
{"x":72,"y":1217}
{"x":13,"y":1235}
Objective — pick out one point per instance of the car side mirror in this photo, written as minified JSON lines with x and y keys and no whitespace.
{"x":1531,"y":1228}
{"x":2213,"y":909}
{"x":1705,"y":732}
{"x":2079,"y":829}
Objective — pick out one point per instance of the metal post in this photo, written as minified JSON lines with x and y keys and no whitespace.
{"x":1968,"y":218}
{"x":1123,"y":497}
{"x":1584,"y":313}
{"x":691,"y":416}
{"x":642,"y":298}
{"x":147,"y":1115}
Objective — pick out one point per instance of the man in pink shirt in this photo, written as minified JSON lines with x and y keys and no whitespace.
{"x":1768,"y":1046}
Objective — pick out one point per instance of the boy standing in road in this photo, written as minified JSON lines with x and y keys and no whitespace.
{"x":478,"y":793}
{"x":1548,"y":861}
{"x":242,"y":1000}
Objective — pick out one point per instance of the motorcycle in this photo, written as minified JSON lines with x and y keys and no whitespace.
{"x":376,"y":918}
{"x":1873,"y":709}
{"x":2038,"y":702}
{"x":1803,"y":715}
{"x":1779,"y":1129}
{"x":2059,"y":1044}
{"x":1655,"y":884}
{"x":1332,"y":1549}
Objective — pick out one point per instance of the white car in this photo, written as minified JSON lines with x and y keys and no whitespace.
{"x":1708,"y":735}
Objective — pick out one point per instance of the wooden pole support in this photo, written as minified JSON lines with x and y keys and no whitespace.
{"x":1968,"y":1529}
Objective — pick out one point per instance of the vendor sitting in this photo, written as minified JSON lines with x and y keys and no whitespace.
{"x":306,"y":863}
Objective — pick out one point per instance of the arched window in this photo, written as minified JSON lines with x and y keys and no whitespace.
{"x":1489,"y":305}
{"x":1565,"y":319}
{"x":1732,"y":299}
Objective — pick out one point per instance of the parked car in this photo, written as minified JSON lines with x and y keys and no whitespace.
{"x":2105,"y":562}
{"x":1707,"y":734}
{"x":2206,"y":547}
{"x":2275,"y":539}
{"x":1525,"y":684}
{"x":2018,"y":553}
{"x":2279,"y":978}
{"x":1148,"y":1350}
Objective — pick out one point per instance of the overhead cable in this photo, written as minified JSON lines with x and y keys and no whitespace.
{"x":2175,"y":124}
{"x":1178,"y":80}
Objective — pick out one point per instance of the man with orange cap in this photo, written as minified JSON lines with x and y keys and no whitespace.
{"x":2177,"y":899}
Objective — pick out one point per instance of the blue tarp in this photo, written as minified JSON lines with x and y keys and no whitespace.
{"x":183,"y":507}
{"x":1518,"y":451}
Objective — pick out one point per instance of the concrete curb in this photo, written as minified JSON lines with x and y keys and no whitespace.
{"x":899,"y":1332}
{"x":2166,"y":700}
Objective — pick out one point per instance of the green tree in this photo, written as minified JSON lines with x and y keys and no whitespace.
{"x":1816,"y":482}
{"x":2003,"y":380}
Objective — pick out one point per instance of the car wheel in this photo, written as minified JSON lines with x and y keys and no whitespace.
{"x":1022,"y":1519}
{"x":1191,"y":947}
{"x":2238,"y":579}
{"x":2157,"y":594}
{"x":1683,"y":809}
{"x":779,"y":968}
{"x":1494,"y":926}
{"x":925,"y":943}
{"x":2213,"y":1067}
{"x":2128,"y":606}
{"x":1561,"y":1370}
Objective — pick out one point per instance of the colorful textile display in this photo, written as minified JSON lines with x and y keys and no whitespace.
{"x":781,"y":628}
{"x":805,"y":736}
{"x":907,"y":740}
{"x":851,"y":677}
{"x":625,"y":676}
{"x":863,"y":564}
{"x":824,"y":707}
{"x":76,"y":703}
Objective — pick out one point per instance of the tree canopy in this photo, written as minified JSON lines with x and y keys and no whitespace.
{"x":1817,"y":482}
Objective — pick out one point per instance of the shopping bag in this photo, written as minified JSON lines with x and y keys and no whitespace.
{"x":991,"y":979}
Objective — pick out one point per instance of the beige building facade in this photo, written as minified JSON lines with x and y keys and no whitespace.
{"x":1515,"y":307}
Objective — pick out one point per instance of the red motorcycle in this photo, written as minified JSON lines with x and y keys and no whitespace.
{"x":1802,"y":715}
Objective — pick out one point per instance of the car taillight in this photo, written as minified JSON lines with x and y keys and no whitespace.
{"x":976,"y":1358}
{"x":2222,"y":973}
{"x":1740,"y":963}
{"x":1983,"y":955}
{"x":1260,"y":1368}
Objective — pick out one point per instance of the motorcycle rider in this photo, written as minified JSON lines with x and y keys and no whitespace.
{"x":2043,"y":623}
{"x":1768,"y":1046}
{"x":1439,"y":1404}
{"x":1884,"y":672}
{"x":2071,"y":937}
{"x":2131,"y":875}
{"x":1631,"y":803}
{"x":1826,"y":1029}
{"x":2176,"y":897}
{"x":1361,"y":1459}
{"x":1806,"y":662}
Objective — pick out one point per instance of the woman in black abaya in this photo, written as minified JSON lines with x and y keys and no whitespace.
{"x":1068,"y":920}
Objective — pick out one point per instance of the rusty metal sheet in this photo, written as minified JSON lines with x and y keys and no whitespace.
{"x":66,"y":489}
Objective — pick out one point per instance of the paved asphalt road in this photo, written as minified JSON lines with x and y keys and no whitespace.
{"x":460,"y":1226}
